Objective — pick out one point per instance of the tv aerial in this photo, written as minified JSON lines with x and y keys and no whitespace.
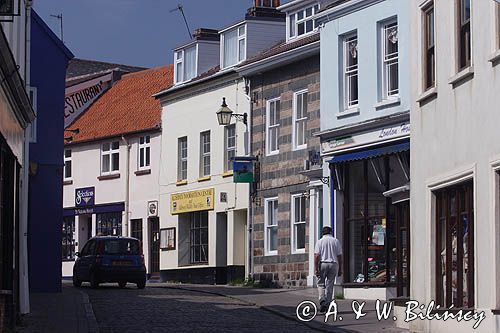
{"x":180,"y":8}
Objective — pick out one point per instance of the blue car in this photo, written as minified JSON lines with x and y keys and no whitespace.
{"x":110,"y":259}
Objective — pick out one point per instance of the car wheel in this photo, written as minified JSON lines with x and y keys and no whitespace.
{"x":122,"y":284}
{"x":141,"y":285}
{"x":94,"y":283}
{"x":77,"y":283}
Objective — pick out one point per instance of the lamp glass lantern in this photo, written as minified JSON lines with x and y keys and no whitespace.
{"x":224,"y":114}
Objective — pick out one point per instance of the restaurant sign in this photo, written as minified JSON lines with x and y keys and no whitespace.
{"x":193,"y":201}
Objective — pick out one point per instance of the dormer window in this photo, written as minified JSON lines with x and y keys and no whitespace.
{"x":185,"y":64}
{"x":234,"y":46}
{"x":301,"y":22}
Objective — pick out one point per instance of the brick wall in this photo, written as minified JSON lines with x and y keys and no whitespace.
{"x":280,"y":174}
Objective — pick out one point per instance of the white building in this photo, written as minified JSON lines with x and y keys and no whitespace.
{"x":111,"y":174}
{"x":455,"y":160}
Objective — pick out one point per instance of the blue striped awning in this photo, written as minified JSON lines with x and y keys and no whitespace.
{"x":370,"y":153}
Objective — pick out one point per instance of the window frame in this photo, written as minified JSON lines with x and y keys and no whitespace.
{"x":68,"y":246}
{"x":239,"y":38}
{"x":142,"y":152}
{"x":136,"y":229}
{"x":463,"y":36}
{"x":305,"y":94}
{"x":111,"y":152}
{"x":182,"y":61}
{"x":70,"y":161}
{"x":270,"y":152}
{"x":267,"y":226}
{"x":315,"y":8}
{"x":228,"y":165}
{"x":353,"y":71}
{"x":108,"y":221}
{"x":294,"y":224}
{"x":205,"y":154}
{"x":387,"y":60}
{"x":429,"y":72}
{"x":165,"y":234}
{"x":201,"y":245}
{"x":181,"y":160}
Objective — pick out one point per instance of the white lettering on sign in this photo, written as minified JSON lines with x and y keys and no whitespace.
{"x":85,"y":195}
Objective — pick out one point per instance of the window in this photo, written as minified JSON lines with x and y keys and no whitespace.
{"x":205,"y":154}
{"x":300,"y":120}
{"x":351,"y":71}
{"x":455,"y":246}
{"x":110,"y":157}
{"x":136,"y":229}
{"x":464,"y":37}
{"x":67,"y":164}
{"x":390,"y":60}
{"x":33,"y":126}
{"x":185,"y":64}
{"x":273,"y":126}
{"x":271,"y":226}
{"x":167,"y":239}
{"x":230,"y":146}
{"x":298,"y":213}
{"x":144,"y":152}
{"x":429,"y":47}
{"x":234,"y":46}
{"x":68,"y":238}
{"x":301,"y":22}
{"x":199,"y":238}
{"x":109,"y":224}
{"x":182,"y":161}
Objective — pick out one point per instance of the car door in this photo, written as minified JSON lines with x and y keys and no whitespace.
{"x":87,"y":259}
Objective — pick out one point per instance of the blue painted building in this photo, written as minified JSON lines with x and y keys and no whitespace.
{"x":49,"y":60}
{"x":365,"y":103}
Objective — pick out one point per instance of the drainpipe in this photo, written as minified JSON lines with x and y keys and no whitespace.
{"x":127,"y":186}
{"x":248,"y":151}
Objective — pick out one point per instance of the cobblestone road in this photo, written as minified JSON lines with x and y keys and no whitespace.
{"x":157,"y":309}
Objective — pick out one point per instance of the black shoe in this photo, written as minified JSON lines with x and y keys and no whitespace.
{"x":323,"y":308}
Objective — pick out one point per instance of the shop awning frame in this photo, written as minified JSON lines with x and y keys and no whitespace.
{"x":370,"y":153}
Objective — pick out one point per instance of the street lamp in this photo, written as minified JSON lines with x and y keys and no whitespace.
{"x":225,"y":113}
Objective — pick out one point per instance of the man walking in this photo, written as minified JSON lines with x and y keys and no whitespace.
{"x":327,"y":265}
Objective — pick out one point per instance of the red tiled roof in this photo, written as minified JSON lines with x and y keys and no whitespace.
{"x":127,"y":107}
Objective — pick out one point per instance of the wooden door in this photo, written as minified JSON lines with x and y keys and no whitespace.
{"x":154,"y":246}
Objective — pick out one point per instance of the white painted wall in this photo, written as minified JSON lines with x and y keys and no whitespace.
{"x":456,"y":135}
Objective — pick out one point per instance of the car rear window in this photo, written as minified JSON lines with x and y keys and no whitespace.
{"x":121,"y":246}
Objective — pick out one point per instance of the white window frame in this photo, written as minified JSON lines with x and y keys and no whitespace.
{"x":293,"y":224}
{"x":296,"y":21}
{"x":348,"y":73}
{"x":228,"y":165}
{"x":33,"y":95}
{"x":388,"y":60}
{"x":205,"y":154}
{"x":296,"y":120}
{"x":270,"y":152}
{"x":181,"y":61}
{"x":66,"y":160}
{"x":267,"y":226}
{"x":238,"y":39}
{"x":181,"y":159}
{"x":112,"y":151}
{"x":142,"y":150}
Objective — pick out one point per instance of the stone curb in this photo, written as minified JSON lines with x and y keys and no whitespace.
{"x":89,"y":313}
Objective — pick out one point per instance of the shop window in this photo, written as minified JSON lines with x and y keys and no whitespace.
{"x":136,"y":229}
{"x":455,"y":246}
{"x":234,"y":46}
{"x":68,"y":238}
{"x":298,"y":213}
{"x":300,"y":120}
{"x":229,"y":146}
{"x":167,"y":239}
{"x":144,"y":152}
{"x":205,"y":154}
{"x":198,"y":236}
{"x":110,"y":157}
{"x":351,"y":71}
{"x":182,"y":155}
{"x":464,"y":33}
{"x":185,"y":64}
{"x":390,"y":61}
{"x":429,"y":47}
{"x":273,"y":126}
{"x":68,"y":172}
{"x":301,"y":22}
{"x":271,"y":226}
{"x":109,"y":224}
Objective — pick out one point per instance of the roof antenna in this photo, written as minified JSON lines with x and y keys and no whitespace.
{"x":60,"y":18}
{"x":181,"y":9}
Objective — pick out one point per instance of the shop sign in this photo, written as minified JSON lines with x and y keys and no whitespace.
{"x":152,"y":208}
{"x":379,"y":135}
{"x":193,"y":201}
{"x":243,"y":171}
{"x":6,"y":7}
{"x":84,"y":197}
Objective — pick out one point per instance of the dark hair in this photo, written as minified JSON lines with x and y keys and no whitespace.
{"x":326,"y":230}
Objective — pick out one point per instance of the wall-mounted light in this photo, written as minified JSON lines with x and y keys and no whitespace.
{"x":225,"y":113}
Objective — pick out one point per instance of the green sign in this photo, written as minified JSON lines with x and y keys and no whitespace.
{"x":243,"y":171}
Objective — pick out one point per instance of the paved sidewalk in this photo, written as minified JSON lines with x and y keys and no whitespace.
{"x":284,"y":302}
{"x":68,"y":311}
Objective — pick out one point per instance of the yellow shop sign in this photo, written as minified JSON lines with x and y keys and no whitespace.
{"x":193,"y":201}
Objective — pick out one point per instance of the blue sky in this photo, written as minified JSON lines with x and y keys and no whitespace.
{"x":134,"y":32}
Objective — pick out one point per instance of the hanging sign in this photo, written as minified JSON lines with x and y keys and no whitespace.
{"x":85,"y":197}
{"x":193,"y":201}
{"x":243,"y":172}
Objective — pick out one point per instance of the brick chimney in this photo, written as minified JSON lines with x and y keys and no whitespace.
{"x":206,"y":34}
{"x":267,"y":3}
{"x":265,"y":8}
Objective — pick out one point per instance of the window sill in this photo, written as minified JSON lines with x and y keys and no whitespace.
{"x":495,"y":58}
{"x":348,"y":113}
{"x":204,"y":179}
{"x":462,"y":76}
{"x":168,"y":249}
{"x":299,"y":251}
{"x":495,"y":312}
{"x":387,"y":103}
{"x":68,"y":182}
{"x":142,"y":172}
{"x":273,"y":153}
{"x":427,"y":95}
{"x":108,"y":177}
{"x":181,"y":183}
{"x":302,"y":147}
{"x":227,"y":174}
{"x":270,"y":254}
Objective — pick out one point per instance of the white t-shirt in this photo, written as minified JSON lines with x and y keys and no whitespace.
{"x":328,"y":248}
